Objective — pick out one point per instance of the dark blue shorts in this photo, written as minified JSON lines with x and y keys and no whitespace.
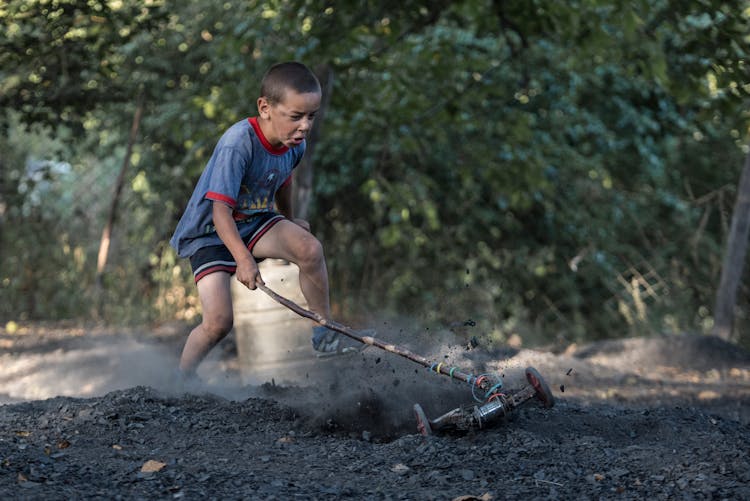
{"x":207,"y":260}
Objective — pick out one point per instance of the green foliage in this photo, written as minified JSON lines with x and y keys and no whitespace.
{"x":555,"y":169}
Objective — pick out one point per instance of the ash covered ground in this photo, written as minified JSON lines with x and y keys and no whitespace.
{"x":92,"y":413}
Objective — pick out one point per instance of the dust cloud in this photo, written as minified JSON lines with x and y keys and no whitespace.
{"x":376,"y":390}
{"x":373,"y":390}
{"x":87,"y":368}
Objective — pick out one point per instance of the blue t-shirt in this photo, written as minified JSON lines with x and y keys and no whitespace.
{"x":244,"y":172}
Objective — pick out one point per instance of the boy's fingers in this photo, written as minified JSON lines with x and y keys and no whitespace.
{"x":250,"y":283}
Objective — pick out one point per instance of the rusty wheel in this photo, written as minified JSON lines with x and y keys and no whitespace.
{"x":423,"y":424}
{"x":542,"y":390}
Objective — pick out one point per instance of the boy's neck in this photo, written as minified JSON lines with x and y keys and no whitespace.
{"x":262,"y":130}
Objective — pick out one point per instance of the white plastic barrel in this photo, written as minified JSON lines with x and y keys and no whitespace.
{"x":273,"y":342}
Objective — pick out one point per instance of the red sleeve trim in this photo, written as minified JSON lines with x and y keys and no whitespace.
{"x":274,"y":150}
{"x":212,"y":195}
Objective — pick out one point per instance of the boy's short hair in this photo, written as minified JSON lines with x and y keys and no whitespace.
{"x":289,"y":75}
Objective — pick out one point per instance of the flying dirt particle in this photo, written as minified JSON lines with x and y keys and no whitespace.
{"x":377,"y":360}
{"x":467,"y":271}
{"x":569,"y":371}
{"x":473,"y":343}
{"x":562,"y":388}
{"x":470,"y":323}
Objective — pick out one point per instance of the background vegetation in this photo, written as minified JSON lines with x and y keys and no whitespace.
{"x":565,"y":171}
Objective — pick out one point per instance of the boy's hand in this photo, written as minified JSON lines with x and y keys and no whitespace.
{"x":247,"y":273}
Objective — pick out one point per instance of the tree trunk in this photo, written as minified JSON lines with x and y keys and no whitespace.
{"x":303,"y":175}
{"x":104,"y":242}
{"x":734,"y":259}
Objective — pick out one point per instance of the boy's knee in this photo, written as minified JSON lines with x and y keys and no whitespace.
{"x":311,"y":252}
{"x":217,"y":327}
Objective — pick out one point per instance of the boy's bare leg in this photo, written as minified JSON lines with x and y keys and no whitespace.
{"x":216,"y":302}
{"x":287,"y":240}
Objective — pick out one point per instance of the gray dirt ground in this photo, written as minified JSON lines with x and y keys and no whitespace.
{"x":665,"y":418}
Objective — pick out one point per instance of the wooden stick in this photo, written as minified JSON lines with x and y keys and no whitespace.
{"x":439,"y":368}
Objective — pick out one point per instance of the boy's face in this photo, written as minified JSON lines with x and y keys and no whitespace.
{"x":288,"y":122}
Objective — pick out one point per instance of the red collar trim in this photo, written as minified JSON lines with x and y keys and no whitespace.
{"x":274,"y":150}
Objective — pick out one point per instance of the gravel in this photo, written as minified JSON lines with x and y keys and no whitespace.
{"x":635,"y":420}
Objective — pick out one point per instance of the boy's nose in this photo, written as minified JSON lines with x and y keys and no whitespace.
{"x":305,"y":124}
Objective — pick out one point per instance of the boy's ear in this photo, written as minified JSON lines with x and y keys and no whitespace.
{"x":264,"y":108}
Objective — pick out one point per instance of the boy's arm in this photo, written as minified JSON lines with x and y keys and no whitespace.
{"x":285,"y":204}
{"x":247,"y":269}
{"x":284,"y":201}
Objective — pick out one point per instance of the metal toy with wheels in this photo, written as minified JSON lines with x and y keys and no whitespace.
{"x":497,"y":406}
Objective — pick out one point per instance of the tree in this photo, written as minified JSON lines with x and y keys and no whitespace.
{"x":558,"y":167}
{"x":734,"y":259}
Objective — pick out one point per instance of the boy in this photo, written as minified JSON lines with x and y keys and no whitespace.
{"x":231,"y":223}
